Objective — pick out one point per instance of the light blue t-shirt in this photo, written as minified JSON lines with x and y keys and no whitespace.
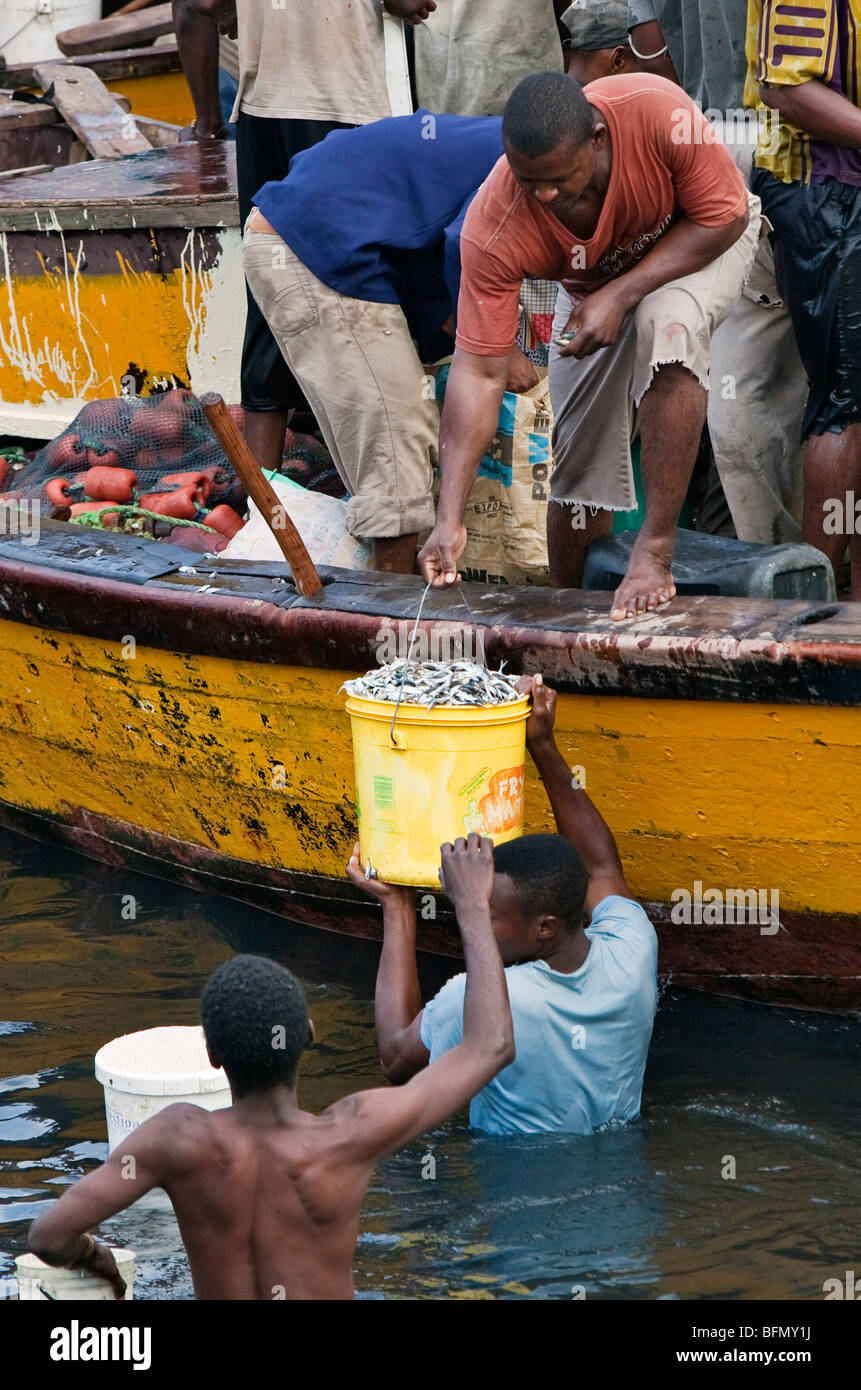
{"x":581,"y":1039}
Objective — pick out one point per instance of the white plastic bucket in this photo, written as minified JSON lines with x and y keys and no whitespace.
{"x":36,"y":1280}
{"x":143,"y":1072}
{"x":27,"y":35}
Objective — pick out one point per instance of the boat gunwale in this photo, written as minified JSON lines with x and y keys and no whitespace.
{"x":681,"y":653}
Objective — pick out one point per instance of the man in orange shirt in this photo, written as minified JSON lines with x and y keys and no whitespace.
{"x":622,"y":193}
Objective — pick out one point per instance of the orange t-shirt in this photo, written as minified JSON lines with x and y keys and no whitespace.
{"x":667,"y":161}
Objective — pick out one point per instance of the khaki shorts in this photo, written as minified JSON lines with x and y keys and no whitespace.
{"x":595,"y":400}
{"x":362,"y":376}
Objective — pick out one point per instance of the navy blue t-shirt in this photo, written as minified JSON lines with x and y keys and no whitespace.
{"x":375,"y":212}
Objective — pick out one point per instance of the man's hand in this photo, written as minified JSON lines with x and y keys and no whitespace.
{"x":410,"y":11}
{"x":440,"y":553}
{"x":542,"y":716}
{"x":522,"y":375}
{"x":220,"y":12}
{"x":597,"y":321}
{"x":103,"y":1265}
{"x":466,"y":874}
{"x":385,"y":893}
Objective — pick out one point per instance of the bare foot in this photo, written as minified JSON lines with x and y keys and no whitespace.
{"x":647,"y":584}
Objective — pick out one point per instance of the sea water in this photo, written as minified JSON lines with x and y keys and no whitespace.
{"x":741,"y":1180}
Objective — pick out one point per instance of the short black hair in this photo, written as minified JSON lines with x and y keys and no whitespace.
{"x":548,"y":874}
{"x":255,"y":1020}
{"x":542,"y":111}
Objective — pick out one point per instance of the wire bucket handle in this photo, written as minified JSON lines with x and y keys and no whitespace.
{"x":428,"y":586}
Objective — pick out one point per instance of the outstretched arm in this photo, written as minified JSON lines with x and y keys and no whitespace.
{"x":60,"y":1236}
{"x":374,"y":1123}
{"x":576,"y":816}
{"x":398,"y":999}
{"x":470,"y":415}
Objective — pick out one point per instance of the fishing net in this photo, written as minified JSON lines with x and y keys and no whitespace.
{"x":158,"y":460}
{"x":155,"y":437}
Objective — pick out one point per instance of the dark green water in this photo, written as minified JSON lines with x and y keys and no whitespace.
{"x":636,"y":1212}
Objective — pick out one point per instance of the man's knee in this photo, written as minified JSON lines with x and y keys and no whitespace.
{"x":670,"y":325}
{"x":673,"y":343}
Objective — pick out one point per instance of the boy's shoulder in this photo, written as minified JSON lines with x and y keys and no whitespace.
{"x":616,"y":915}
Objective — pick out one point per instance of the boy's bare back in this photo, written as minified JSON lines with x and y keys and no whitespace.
{"x":267,"y":1208}
{"x":267,"y":1195}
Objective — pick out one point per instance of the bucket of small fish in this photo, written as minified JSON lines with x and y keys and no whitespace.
{"x":440,"y":751}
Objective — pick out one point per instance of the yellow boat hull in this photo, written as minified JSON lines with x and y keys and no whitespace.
{"x":239,"y":774}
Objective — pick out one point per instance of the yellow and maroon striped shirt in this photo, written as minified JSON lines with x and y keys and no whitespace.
{"x":788,"y":44}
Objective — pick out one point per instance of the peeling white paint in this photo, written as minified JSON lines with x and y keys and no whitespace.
{"x":74,"y":366}
{"x":214,"y":302}
{"x":71,"y":362}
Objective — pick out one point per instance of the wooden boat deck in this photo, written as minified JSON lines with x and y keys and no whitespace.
{"x":189,"y":185}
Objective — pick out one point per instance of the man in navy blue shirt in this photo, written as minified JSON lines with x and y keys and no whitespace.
{"x":354,"y":262}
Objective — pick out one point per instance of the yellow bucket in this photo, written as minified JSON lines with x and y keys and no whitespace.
{"x":450,"y":771}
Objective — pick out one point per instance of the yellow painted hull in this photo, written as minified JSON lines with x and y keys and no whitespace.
{"x":189,"y":723}
{"x":255,"y":762}
{"x":126,"y":280}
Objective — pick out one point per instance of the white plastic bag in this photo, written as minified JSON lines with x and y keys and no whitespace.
{"x":320,"y":521}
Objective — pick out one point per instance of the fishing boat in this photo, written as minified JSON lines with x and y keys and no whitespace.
{"x":119,"y":275}
{"x":184,"y":718}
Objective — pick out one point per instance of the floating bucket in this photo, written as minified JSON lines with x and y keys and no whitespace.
{"x":36,"y":1280}
{"x":144,"y":1072}
{"x":449,"y":771}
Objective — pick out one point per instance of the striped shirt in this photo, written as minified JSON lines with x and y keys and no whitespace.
{"x":788,"y":44}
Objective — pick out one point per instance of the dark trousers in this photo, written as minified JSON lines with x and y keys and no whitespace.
{"x":264,"y":148}
{"x":817,"y":254}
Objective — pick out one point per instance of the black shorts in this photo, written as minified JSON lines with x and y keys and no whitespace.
{"x":817,"y":254}
{"x":264,"y":148}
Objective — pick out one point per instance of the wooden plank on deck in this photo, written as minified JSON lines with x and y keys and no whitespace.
{"x":91,"y":110}
{"x":110,"y":67}
{"x":120,"y":31}
{"x":25,"y":115}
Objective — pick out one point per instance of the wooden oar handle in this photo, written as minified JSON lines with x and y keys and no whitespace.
{"x":272,"y":510}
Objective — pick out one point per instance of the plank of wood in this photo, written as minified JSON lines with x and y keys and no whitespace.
{"x":120,"y":31}
{"x":129,"y":62}
{"x":54,"y":145}
{"x":23,"y":115}
{"x":190,"y":185}
{"x":25,"y":173}
{"x":90,"y":109}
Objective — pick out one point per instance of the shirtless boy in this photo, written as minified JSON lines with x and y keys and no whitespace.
{"x":267,"y":1195}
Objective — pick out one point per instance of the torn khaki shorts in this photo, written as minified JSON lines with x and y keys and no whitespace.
{"x":363,"y":379}
{"x":595,"y":400}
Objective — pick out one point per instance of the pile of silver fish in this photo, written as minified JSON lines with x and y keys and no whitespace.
{"x":432,"y":683}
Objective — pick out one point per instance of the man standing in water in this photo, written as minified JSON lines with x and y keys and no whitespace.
{"x":622,"y":193}
{"x":582,"y":1001}
{"x":267,"y":1195}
